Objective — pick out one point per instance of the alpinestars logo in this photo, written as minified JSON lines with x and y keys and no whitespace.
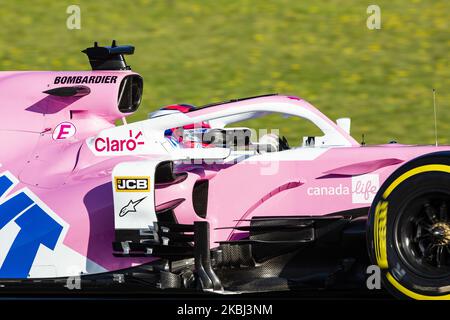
{"x":130,"y":207}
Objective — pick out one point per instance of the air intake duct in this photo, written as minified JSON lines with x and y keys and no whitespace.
{"x":200,"y":197}
{"x":108,"y":58}
{"x":164,"y":175}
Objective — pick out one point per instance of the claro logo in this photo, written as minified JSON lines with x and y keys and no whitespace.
{"x":117,"y":145}
{"x":132,"y":184}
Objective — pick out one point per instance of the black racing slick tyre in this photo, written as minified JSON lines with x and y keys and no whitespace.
{"x":409,"y":229}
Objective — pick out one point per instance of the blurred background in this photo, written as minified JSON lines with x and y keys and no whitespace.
{"x":199,"y":52}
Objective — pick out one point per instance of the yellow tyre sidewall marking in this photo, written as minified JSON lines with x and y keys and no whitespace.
{"x":412,"y":294}
{"x":413,"y":172}
{"x":380,"y":230}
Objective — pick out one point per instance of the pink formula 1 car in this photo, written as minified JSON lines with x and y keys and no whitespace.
{"x":185,"y":200}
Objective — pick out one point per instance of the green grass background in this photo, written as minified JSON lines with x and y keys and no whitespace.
{"x":204,"y":51}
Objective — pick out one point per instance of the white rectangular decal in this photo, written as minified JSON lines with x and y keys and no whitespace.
{"x":134,"y":199}
{"x":364,"y":188}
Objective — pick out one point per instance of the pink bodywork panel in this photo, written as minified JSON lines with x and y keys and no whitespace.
{"x":76,"y":184}
{"x":242,"y":192}
{"x":64,"y":174}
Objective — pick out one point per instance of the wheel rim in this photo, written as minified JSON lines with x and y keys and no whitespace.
{"x":423,"y":234}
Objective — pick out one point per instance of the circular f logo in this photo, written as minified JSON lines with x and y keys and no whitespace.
{"x":64,"y":130}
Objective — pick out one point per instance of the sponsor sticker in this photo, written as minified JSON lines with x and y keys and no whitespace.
{"x":37,"y":227}
{"x":64,"y":130}
{"x":364,"y":188}
{"x":132,"y":184}
{"x":84,"y":79}
{"x":110,"y":144}
{"x":130,"y":207}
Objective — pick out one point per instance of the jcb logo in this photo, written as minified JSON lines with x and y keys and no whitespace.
{"x":132,"y":184}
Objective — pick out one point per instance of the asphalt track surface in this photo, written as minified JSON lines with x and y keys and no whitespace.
{"x":165,"y":295}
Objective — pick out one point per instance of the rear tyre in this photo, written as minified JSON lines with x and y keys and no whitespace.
{"x":409,"y":229}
